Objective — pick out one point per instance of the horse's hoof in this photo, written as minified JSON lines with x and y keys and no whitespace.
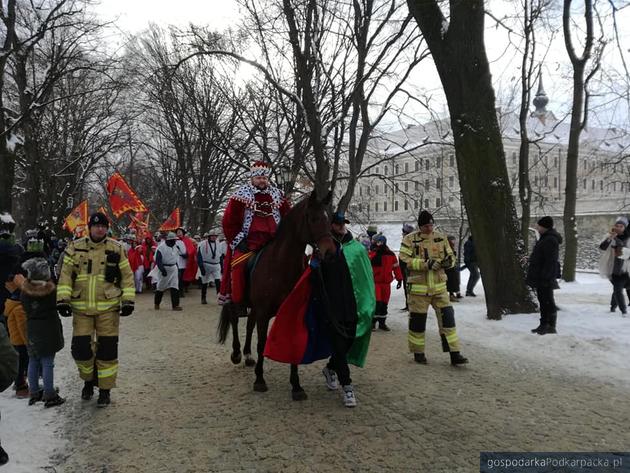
{"x":261,"y":387}
{"x":299,"y":395}
{"x":249,"y":361}
{"x":236,"y":358}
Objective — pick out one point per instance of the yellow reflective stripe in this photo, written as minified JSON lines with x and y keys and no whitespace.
{"x":86,"y":369}
{"x":416,"y":264}
{"x":451,"y":337}
{"x":415,"y":340}
{"x":68,"y":260}
{"x":84,"y":277}
{"x":418,"y":289}
{"x":78,"y":305}
{"x":128,"y":290}
{"x":92,"y":293}
{"x":406,"y":251}
{"x":107,"y":372}
{"x":124,"y":264}
{"x":63,"y":291}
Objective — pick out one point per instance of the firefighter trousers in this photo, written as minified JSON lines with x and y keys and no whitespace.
{"x":95,"y":346}
{"x":418,"y":308}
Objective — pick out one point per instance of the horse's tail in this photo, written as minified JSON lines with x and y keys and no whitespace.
{"x":228,"y":313}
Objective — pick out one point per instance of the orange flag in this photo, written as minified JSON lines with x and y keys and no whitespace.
{"x":172,"y":223}
{"x":78,"y":219}
{"x":141,"y":226}
{"x":121,"y":197}
{"x":103,"y":210}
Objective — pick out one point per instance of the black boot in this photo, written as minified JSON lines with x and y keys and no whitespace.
{"x":56,"y":400}
{"x":204,"y":292}
{"x":420,"y":358}
{"x":4,"y":457}
{"x":383,"y":326}
{"x":103,"y":398}
{"x":88,"y":390}
{"x":458,"y":359}
{"x":550,"y":326}
{"x":540,"y":325}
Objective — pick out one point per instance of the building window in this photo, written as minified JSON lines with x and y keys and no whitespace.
{"x":584,"y":184}
{"x":555,"y":182}
{"x":427,"y":185}
{"x":385,"y":171}
{"x":397,"y":188}
{"x":513,"y":157}
{"x":395,"y":206}
{"x":439,"y":161}
{"x":360,"y":191}
{"x":406,"y":187}
{"x":406,"y":205}
{"x":376,"y":189}
{"x":555,"y":162}
{"x":368,"y":207}
{"x":585,"y":165}
{"x":426,"y":203}
{"x":397,"y":169}
{"x":535,"y":180}
{"x":451,"y":160}
{"x":451,"y":199}
{"x":426,"y":165}
{"x":438,"y":183}
{"x":546,"y":181}
{"x":375,"y":206}
{"x":416,"y":204}
{"x":601,"y":185}
{"x":378,"y":170}
{"x":417,"y":186}
{"x":438,"y":202}
{"x":385,"y":206}
{"x":417,"y":166}
{"x":406,"y":167}
{"x":451,"y":181}
{"x":593,"y":185}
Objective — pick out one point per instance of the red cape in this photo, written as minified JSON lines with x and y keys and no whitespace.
{"x":190,"y":273}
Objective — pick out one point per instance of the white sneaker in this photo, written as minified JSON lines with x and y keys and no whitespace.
{"x":331,"y":378}
{"x":348,"y":396}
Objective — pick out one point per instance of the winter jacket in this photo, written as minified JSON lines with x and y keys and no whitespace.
{"x":9,"y":265}
{"x":470,"y":256}
{"x":609,"y":263}
{"x":385,"y":266}
{"x":8,"y":360}
{"x":16,"y":322}
{"x":45,"y":334}
{"x":544,"y":260}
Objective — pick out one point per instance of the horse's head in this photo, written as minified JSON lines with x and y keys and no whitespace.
{"x":315,"y":228}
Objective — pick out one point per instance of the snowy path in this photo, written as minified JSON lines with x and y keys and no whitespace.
{"x":182,"y":407}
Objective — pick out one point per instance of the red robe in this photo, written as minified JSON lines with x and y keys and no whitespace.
{"x":134,"y":256}
{"x":384,"y":274}
{"x":190,"y":273}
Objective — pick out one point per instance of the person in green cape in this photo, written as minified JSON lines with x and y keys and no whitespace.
{"x":349,"y":286}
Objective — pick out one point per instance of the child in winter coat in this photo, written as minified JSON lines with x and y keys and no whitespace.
{"x":45,"y":335}
{"x":385,"y":267}
{"x":16,"y":325}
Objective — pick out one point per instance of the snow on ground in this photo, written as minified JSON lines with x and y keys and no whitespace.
{"x":31,"y":434}
{"x":591,"y":341}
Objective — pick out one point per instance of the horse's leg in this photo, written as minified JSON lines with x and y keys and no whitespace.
{"x":236,"y":343}
{"x":247,"y":350}
{"x":260,"y":385}
{"x":297,"y":393}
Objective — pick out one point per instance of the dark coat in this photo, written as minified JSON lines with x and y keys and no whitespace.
{"x":9,"y":265}
{"x":43,"y":326}
{"x":544,"y":260}
{"x":8,"y":360}
{"x":470,"y":256}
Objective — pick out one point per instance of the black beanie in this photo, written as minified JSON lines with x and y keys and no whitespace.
{"x":546,"y":222}
{"x":98,"y":218}
{"x":424,"y":218}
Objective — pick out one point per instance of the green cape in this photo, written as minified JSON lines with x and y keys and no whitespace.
{"x":365,"y":297}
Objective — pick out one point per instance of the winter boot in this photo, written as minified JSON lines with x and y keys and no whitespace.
{"x":88,"y":390}
{"x":21,"y":391}
{"x":204,"y":292}
{"x":540,"y":325}
{"x":383,"y":326}
{"x":458,"y":359}
{"x":156,"y":306}
{"x":56,"y":400}
{"x":349,"y":400}
{"x":420,"y":358}
{"x":36,"y":397}
{"x":103,"y":398}
{"x":550,"y":326}
{"x":4,"y":457}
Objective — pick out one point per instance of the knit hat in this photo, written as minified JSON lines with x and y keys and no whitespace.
{"x":425,"y":218}
{"x":98,"y":218}
{"x":622,"y":220}
{"x":171,"y":236}
{"x":546,"y":222}
{"x":260,"y":168}
{"x":37,"y":269}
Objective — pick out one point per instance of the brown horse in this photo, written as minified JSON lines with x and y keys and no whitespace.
{"x":278,"y":269}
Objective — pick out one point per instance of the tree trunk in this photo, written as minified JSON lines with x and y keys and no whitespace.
{"x":459,"y":53}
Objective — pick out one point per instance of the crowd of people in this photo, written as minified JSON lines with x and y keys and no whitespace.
{"x":94,"y":280}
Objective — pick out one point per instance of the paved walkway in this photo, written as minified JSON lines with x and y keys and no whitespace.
{"x":181,"y":406}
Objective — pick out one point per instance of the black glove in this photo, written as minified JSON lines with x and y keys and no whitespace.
{"x":126,"y":309}
{"x":202,"y":270}
{"x":399,"y":285}
{"x":164,"y":273}
{"x":112,"y":270}
{"x":64,"y":309}
{"x":433,"y":265}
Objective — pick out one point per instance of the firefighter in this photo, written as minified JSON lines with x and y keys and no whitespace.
{"x":96,"y":287}
{"x":427,"y":254}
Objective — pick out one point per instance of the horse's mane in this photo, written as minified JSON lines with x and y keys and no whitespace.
{"x":290,"y":216}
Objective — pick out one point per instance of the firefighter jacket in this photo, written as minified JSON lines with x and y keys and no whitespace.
{"x":420,"y":252}
{"x":95,"y":277}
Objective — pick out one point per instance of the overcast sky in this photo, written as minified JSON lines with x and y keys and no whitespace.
{"x":132,"y":16}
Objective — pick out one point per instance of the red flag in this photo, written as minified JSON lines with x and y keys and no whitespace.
{"x":104,"y":211}
{"x":121,"y":197}
{"x":172,"y":222}
{"x":139,"y":225}
{"x":78,"y":218}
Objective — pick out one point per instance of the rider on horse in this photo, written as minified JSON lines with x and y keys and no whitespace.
{"x":250,"y":221}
